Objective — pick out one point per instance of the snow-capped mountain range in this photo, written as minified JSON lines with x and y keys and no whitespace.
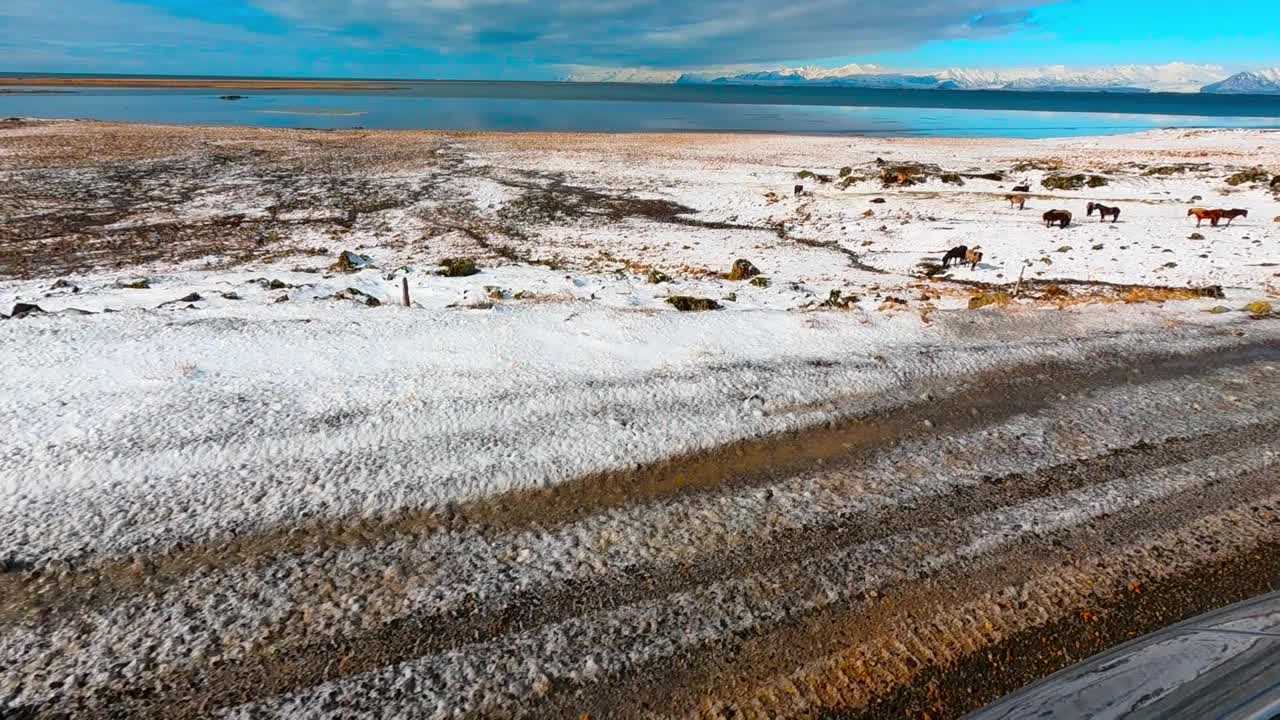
{"x":1170,"y":77}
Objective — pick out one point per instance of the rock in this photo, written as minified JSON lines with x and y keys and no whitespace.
{"x":193,"y":297}
{"x":1196,"y":198}
{"x":809,"y":175}
{"x":350,"y":261}
{"x":230,"y":296}
{"x":687,"y":303}
{"x":282,"y":298}
{"x":1099,"y":246}
{"x":1276,"y":219}
{"x":1252,"y":175}
{"x":1170,"y":265}
{"x":358,"y":295}
{"x":140,"y":283}
{"x":657,"y":276}
{"x":231,"y":97}
{"x":761,"y":281}
{"x":1218,"y":309}
{"x":742,"y":270}
{"x":64,"y":284}
{"x":21,"y":310}
{"x":951,"y":179}
{"x":1095,"y":181}
{"x":1257,"y":308}
{"x":731,"y":297}
{"x":877,"y":201}
{"x":1212,"y":291}
{"x":845,"y":171}
{"x":1195,"y":236}
{"x":74,"y":311}
{"x":458,"y":267}
{"x":1064,"y":249}
{"x":495,"y":292}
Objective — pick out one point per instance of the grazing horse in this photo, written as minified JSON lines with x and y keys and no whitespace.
{"x":1018,"y":201}
{"x":1234,"y":213}
{"x":1103,"y":211}
{"x":962,"y":254}
{"x":1022,"y":188}
{"x":1202,"y":214}
{"x":1060,"y":217}
{"x":799,"y":190}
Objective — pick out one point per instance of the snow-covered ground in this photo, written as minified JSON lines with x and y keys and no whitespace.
{"x":558,"y":358}
{"x":217,"y":449}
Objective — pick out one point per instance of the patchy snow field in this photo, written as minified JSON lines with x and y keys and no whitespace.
{"x":223,"y":444}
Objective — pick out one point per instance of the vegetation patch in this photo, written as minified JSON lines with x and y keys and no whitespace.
{"x":981,"y":300}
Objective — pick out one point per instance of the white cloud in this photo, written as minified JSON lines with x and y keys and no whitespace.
{"x":658,"y":33}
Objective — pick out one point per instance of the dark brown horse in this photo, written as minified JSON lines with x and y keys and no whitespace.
{"x":1234,"y":213}
{"x":1103,"y":211}
{"x":962,"y":254}
{"x":1057,"y":217}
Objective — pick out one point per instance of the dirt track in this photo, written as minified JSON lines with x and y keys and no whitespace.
{"x":1153,"y":554}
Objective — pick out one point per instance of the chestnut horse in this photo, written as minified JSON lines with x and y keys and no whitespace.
{"x":1018,"y":201}
{"x":1202,"y":214}
{"x":1103,"y":211}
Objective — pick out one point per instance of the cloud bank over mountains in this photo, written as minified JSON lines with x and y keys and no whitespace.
{"x":1169,"y":77}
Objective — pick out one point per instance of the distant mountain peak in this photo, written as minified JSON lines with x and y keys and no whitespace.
{"x":1260,"y":82}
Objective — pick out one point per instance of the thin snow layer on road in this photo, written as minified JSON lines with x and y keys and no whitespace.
{"x":437,"y":575}
{"x":504,"y":674}
{"x":137,"y":430}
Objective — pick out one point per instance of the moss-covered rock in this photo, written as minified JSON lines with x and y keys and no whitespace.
{"x":1195,"y":236}
{"x":1250,"y":176}
{"x":846,"y":171}
{"x":458,"y":267}
{"x":742,"y":270}
{"x":1259,"y":308}
{"x":1064,"y":182}
{"x":1096,"y":181}
{"x":951,"y":179}
{"x":761,"y":281}
{"x":688,"y":303}
{"x":139,"y":283}
{"x":656,"y":277}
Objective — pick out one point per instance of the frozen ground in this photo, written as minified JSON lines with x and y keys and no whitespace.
{"x":245,"y":489}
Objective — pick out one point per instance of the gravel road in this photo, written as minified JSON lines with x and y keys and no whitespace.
{"x":871,"y":566}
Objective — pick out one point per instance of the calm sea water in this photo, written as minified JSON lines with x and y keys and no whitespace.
{"x":609,"y":107}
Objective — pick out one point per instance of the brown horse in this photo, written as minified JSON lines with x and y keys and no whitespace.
{"x":1202,"y":214}
{"x":962,"y":254}
{"x":1059,"y":217}
{"x":1234,"y":213}
{"x":1018,"y":201}
{"x":1103,"y":211}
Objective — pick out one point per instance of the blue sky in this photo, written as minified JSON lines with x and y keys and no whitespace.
{"x":538,"y":39}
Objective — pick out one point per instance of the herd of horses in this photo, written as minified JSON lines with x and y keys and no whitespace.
{"x":961,"y":254}
{"x":1062,"y":218}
